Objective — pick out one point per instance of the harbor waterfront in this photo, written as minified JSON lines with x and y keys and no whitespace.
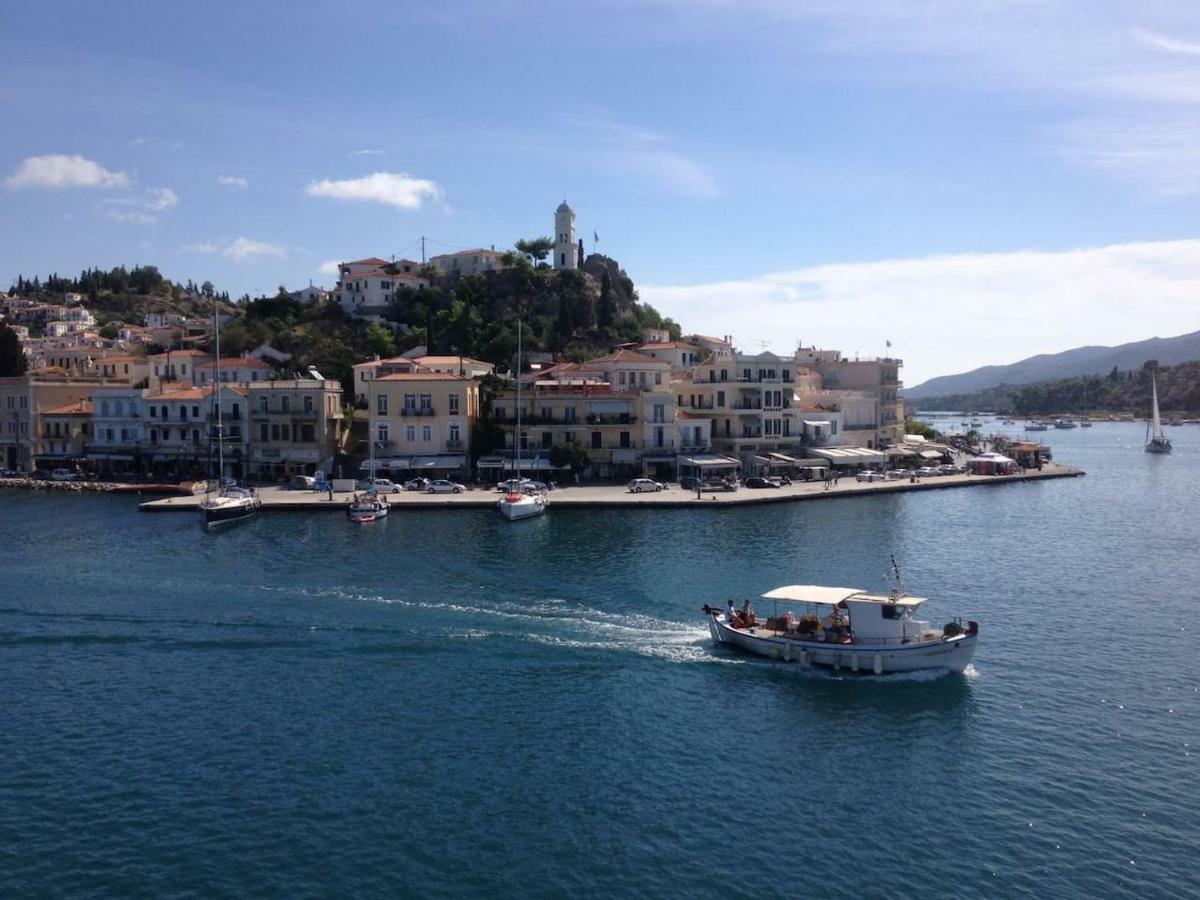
{"x":449,"y":704}
{"x":281,"y":499}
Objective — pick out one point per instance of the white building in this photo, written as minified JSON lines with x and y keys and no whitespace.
{"x":468,"y":262}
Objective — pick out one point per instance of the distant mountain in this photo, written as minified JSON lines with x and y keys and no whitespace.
{"x":1068,"y":364}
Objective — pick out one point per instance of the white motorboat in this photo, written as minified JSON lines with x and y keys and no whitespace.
{"x":371,"y":503}
{"x":1157,"y":442}
{"x":526,"y":502}
{"x":1063,"y":424}
{"x":850,"y":629}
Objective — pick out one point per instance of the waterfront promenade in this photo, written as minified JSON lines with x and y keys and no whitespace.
{"x":281,"y":499}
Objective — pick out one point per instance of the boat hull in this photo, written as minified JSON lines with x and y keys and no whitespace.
{"x":524,"y":508}
{"x":951,"y":654}
{"x":228,"y":514}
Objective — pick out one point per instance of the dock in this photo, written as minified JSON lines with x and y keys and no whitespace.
{"x":279,"y":499}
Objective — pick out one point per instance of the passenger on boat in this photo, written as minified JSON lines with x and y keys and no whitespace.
{"x":747,"y":614}
{"x":729,"y":613}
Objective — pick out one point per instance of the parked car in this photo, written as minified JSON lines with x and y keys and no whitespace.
{"x":869,"y":476}
{"x":442,"y":486}
{"x":382,"y":485}
{"x":417,"y":484}
{"x":513,"y":485}
{"x":641,"y":485}
{"x":756,"y":482}
{"x":63,"y":475}
{"x":691,"y":482}
{"x":7,"y":473}
{"x":947,"y":469}
{"x":720,"y":484}
{"x":899,"y":473}
{"x":303,"y":483}
{"x":927,"y":472}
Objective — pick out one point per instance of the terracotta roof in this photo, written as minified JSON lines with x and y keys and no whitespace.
{"x":78,"y":408}
{"x":192,"y":353}
{"x":623,"y":356}
{"x":421,"y":376}
{"x":670,"y":345}
{"x":369,"y":261}
{"x":449,"y":361}
{"x":712,"y":340}
{"x":240,"y":362}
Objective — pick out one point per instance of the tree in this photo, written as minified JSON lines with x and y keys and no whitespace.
{"x":109,"y":331}
{"x":604,"y":306}
{"x":207,"y":289}
{"x":12,"y":357}
{"x":379,"y":340}
{"x":537,"y":248}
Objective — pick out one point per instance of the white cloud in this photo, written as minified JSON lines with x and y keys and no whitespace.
{"x":244,"y":249}
{"x":947,"y":314}
{"x":140,"y":210}
{"x":240,"y":249}
{"x":61,"y":171}
{"x":393,"y":188}
{"x":162,"y":198}
{"x":232,"y":181}
{"x":366,"y":153}
{"x":121,"y":214}
{"x":1165,"y":42}
{"x":329,"y":267}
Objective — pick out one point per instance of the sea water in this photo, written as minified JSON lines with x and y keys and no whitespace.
{"x":448,"y":704}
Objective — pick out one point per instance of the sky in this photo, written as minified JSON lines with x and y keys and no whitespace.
{"x":953,"y":183}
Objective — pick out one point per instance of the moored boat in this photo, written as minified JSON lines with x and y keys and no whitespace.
{"x":1157,"y":442}
{"x":847,"y":628}
{"x":370,"y":504}
{"x":524,"y":502}
{"x":232,"y":504}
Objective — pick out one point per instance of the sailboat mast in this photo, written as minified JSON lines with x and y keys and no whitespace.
{"x":217,"y":396}
{"x":517,"y":437}
{"x":1158,"y":432}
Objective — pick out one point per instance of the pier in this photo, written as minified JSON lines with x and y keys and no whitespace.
{"x":277,"y":499}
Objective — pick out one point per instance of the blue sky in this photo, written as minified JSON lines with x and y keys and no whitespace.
{"x":974,"y":181}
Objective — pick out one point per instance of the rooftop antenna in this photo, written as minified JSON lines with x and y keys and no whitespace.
{"x":763,"y":345}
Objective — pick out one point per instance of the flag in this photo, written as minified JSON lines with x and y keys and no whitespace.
{"x":595,"y":237}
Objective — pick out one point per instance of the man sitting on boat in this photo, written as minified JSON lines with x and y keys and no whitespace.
{"x":744,"y":618}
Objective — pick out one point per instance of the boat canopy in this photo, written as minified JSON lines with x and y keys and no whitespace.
{"x":831,"y":596}
{"x":811,"y":593}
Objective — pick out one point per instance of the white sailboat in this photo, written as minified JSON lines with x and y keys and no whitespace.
{"x":1158,"y":442}
{"x":521,"y":503}
{"x":230,"y":503}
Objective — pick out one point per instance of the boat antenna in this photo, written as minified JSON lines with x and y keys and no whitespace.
{"x":893,"y":576}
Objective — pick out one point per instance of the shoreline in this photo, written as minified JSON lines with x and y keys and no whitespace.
{"x":617,"y":496}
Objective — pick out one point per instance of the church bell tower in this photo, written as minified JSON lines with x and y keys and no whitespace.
{"x":565,"y":251}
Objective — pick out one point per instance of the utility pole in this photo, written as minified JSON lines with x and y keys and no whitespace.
{"x":422,"y":249}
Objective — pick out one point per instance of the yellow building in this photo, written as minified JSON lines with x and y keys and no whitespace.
{"x":23,"y":399}
{"x":420,"y":422}
{"x":65,"y":434}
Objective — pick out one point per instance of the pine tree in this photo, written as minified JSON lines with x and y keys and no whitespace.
{"x":12,"y":357}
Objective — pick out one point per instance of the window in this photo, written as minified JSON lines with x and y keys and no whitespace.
{"x":426,"y":434}
{"x":164,"y":412}
{"x":658,"y":377}
{"x":547,"y":440}
{"x":285,"y":404}
{"x":569,"y":415}
{"x":569,"y":437}
{"x":154,"y":435}
{"x":410,"y":402}
{"x":103,"y":407}
{"x":195,"y":412}
{"x":426,"y":403}
{"x":622,"y":378}
{"x":453,"y":404}
{"x":108,"y":432}
{"x":624,"y":438}
{"x":262,"y":432}
{"x":381,"y":432}
{"x":659,"y":414}
{"x":285,"y":432}
{"x":308,"y":404}
{"x":658,"y":437}
{"x":274,"y":432}
{"x":547,"y":412}
{"x":455,"y":435}
{"x":410,"y":434}
{"x":381,"y":404}
{"x":195,"y":435}
{"x":595,"y":440}
{"x":262,"y":404}
{"x":182,"y":413}
{"x":306,"y":434}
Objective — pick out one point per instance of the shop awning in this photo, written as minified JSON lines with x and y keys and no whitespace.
{"x":818,"y":423}
{"x":710,"y":461}
{"x":529,"y":465}
{"x":850,"y":456}
{"x":490,"y":462}
{"x":392,"y":464}
{"x":783,"y":457}
{"x":930,"y":454}
{"x":902,"y":452}
{"x":430,"y":463}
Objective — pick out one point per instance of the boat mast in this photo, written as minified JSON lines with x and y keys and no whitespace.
{"x":217,"y":399}
{"x":1157,"y":428}
{"x":517,"y":438}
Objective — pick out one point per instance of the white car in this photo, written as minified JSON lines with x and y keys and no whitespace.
{"x":896,"y":474}
{"x":63,"y":475}
{"x":416,"y":484}
{"x":869,"y":476}
{"x":927,"y":472}
{"x":640,"y":485}
{"x":442,"y":486}
{"x":948,"y":469}
{"x":382,"y":485}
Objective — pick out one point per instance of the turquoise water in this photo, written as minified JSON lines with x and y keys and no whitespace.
{"x":445,"y":704}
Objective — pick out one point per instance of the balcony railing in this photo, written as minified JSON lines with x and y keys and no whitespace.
{"x":417,"y":411}
{"x":611,"y":419}
{"x":747,"y":404}
{"x":454,"y":445}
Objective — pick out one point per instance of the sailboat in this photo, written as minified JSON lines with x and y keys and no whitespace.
{"x":519,"y":502}
{"x":371,"y":506}
{"x":1158,"y":442}
{"x":230,"y":503}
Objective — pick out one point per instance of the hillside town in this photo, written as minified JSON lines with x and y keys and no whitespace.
{"x":143,"y":400}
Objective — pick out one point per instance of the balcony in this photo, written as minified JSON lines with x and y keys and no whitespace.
{"x":611,"y":419}
{"x":418,"y":412}
{"x":746,"y":404}
{"x":453,"y":446}
{"x":699,"y":404}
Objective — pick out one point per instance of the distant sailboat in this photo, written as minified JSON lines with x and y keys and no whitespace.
{"x":1158,"y":442}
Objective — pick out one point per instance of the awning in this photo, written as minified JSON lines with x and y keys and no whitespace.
{"x":659,"y":457}
{"x":902,"y":452}
{"x":761,"y":460}
{"x":783,"y":457}
{"x":427,"y":463}
{"x":529,"y":465}
{"x":711,"y":460}
{"x":392,"y":464}
{"x":850,"y":456}
{"x":831,"y":596}
{"x":930,"y":454}
{"x":490,"y":462}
